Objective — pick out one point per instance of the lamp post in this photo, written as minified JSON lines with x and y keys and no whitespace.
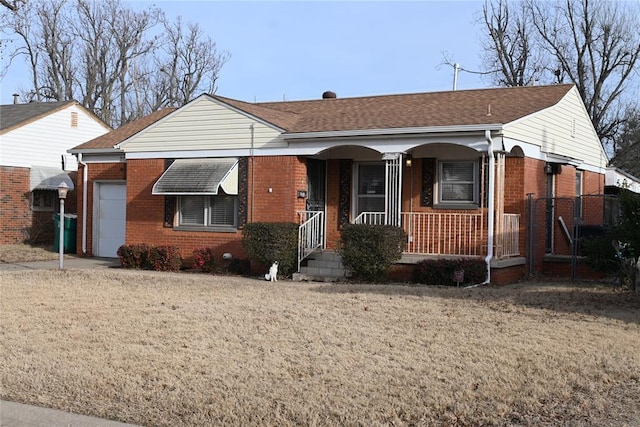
{"x":63,"y":189}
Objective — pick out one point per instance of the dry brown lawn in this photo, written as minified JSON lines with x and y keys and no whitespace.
{"x":24,"y":252}
{"x":165,"y":349}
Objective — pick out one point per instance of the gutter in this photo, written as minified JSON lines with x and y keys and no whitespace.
{"x":85,"y":173}
{"x":392,"y":131}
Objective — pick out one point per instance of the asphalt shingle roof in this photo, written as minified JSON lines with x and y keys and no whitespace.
{"x":432,"y":109}
{"x":12,"y":115}
{"x":452,"y":108}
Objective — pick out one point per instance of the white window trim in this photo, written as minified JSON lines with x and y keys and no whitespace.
{"x":356,"y":184}
{"x":206,"y":216}
{"x":476,"y":185}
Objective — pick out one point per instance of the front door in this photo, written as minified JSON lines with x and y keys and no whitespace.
{"x":316,"y":184}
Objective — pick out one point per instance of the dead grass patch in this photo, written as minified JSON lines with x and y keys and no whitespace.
{"x":192,"y":349}
{"x":25,"y":253}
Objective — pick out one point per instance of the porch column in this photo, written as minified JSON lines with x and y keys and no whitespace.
{"x":393,"y":188}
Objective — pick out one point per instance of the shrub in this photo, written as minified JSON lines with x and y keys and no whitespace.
{"x":203,"y":259}
{"x":239,"y":266}
{"x":145,"y":257}
{"x":440,"y":271}
{"x":599,"y":254}
{"x":135,"y":256}
{"x":266,"y":242}
{"x":165,"y":258}
{"x":370,"y":250}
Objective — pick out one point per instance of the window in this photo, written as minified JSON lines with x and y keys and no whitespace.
{"x":219,"y":211}
{"x":458,"y":182}
{"x":370,"y":185}
{"x":43,"y":200}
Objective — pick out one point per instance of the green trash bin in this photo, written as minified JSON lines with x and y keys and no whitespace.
{"x":69,"y":239}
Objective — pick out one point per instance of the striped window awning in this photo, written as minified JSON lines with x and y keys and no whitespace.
{"x":48,"y":178}
{"x":199,"y":177}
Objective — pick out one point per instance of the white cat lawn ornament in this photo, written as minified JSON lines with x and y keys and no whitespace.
{"x":272,"y":275}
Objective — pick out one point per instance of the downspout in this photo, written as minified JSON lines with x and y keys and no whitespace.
{"x":85,"y":173}
{"x":490,"y":205}
{"x":251,"y":155}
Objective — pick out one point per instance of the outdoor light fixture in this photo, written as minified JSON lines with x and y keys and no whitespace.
{"x":63,"y":189}
{"x":409,"y":160}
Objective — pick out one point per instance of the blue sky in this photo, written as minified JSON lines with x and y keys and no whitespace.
{"x":297,"y":50}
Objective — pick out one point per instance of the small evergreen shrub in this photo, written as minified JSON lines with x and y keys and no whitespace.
{"x":599,"y":253}
{"x":440,"y":271}
{"x":241,"y":267}
{"x":369,"y":251}
{"x":165,"y":258}
{"x":135,"y":256}
{"x":203,"y":259}
{"x":144,"y":257}
{"x":266,"y":242}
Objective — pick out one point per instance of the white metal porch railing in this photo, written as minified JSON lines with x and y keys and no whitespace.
{"x":435,"y":233}
{"x":310,"y":233}
{"x":371,"y":218}
{"x":445,"y":233}
{"x":508,"y":243}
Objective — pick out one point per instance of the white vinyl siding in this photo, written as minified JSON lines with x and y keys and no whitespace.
{"x":204,"y":124}
{"x":563,"y":129}
{"x":42,"y":142}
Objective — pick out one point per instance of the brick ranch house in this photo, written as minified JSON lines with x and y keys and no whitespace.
{"x":34,"y":139}
{"x":452,"y":168}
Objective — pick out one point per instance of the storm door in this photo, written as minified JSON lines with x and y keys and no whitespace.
{"x":316,"y":184}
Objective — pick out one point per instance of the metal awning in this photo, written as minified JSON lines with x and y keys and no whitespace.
{"x":199,"y":177}
{"x":48,"y":178}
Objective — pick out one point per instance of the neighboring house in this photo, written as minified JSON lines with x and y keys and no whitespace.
{"x":34,"y":139}
{"x":454,"y":169}
{"x":624,"y":170}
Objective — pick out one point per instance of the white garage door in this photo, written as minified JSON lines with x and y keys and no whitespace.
{"x":109,"y":218}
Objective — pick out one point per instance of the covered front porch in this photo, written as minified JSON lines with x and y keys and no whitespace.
{"x":439,"y":195}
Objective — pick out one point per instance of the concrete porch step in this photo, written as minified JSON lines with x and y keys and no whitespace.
{"x":322,"y":266}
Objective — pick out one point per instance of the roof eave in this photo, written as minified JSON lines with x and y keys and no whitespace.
{"x":94,"y":150}
{"x":394,"y":131}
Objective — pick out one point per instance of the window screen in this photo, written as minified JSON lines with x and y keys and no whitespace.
{"x":458,"y":182}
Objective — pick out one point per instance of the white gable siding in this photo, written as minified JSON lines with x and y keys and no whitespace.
{"x":203,"y":124}
{"x":553,"y":130}
{"x":42,"y":142}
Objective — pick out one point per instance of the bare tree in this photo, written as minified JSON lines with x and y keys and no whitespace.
{"x":12,"y":5}
{"x":593,"y":44}
{"x":104,"y":55}
{"x":189,"y":64}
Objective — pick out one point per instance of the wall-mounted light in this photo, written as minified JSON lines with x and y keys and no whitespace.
{"x":408,"y":160}
{"x":302,"y":194}
{"x":548,"y":169}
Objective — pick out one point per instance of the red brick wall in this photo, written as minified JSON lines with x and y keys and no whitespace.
{"x":19,"y":223}
{"x":284,"y":175}
{"x":16,"y":204}
{"x":277,"y":179}
{"x":96,"y":172}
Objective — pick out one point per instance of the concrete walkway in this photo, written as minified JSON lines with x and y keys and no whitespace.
{"x":68,"y":262}
{"x":18,"y":415}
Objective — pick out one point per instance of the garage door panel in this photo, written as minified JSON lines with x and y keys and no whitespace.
{"x":110,"y":218}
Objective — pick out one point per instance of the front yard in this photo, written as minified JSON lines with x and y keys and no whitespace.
{"x":171,"y":349}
